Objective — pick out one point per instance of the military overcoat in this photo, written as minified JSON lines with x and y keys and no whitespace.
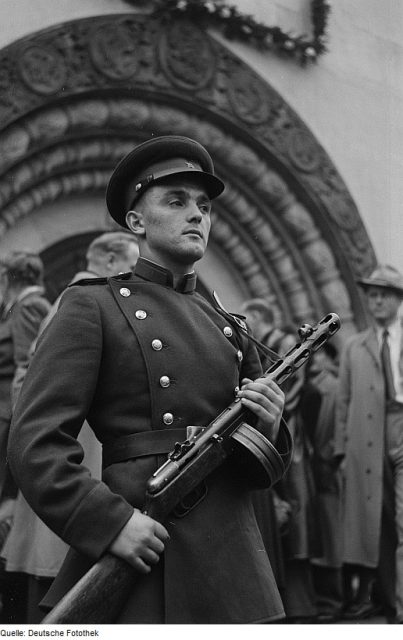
{"x":136,"y":355}
{"x":360,"y":430}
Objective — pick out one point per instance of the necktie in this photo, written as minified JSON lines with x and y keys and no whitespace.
{"x":387,"y":367}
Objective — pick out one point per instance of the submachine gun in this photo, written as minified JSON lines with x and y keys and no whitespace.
{"x":100,"y":594}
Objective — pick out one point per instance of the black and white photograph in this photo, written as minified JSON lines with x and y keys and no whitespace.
{"x":201,"y":320}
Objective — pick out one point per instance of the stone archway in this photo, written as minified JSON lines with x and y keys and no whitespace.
{"x":84,"y":92}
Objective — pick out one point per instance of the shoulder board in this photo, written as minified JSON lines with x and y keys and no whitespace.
{"x":88,"y":281}
{"x":123,"y":276}
{"x":240,"y":320}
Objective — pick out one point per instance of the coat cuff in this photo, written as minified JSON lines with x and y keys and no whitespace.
{"x":96,"y":522}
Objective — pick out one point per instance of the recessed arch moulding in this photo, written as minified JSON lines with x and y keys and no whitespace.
{"x":76,"y":97}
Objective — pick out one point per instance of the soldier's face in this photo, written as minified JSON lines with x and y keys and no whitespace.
{"x":173,"y":223}
{"x":383,"y":304}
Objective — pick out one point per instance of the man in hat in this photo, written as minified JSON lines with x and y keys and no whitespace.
{"x":143,"y":357}
{"x":370,"y":435}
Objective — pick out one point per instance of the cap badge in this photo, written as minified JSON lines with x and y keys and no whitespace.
{"x":190,"y":165}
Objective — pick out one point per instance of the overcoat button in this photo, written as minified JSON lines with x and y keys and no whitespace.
{"x":167,"y":418}
{"x":124,"y":292}
{"x":156,"y":344}
{"x":236,"y":391}
{"x":165,"y":381}
{"x":140,"y":314}
{"x":227,"y":332}
{"x":240,"y":355}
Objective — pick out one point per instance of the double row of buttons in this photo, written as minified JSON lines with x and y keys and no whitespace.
{"x":157,"y":345}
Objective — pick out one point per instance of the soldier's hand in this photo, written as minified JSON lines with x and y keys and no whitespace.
{"x":266,"y":400}
{"x":140,"y":542}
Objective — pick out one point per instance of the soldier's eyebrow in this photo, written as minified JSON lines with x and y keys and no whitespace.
{"x":183,"y":192}
{"x":176,"y":191}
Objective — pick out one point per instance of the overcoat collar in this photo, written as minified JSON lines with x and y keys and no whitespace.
{"x":370,"y":341}
{"x":155,"y":273}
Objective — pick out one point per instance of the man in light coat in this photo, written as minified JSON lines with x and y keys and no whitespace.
{"x":370,"y":435}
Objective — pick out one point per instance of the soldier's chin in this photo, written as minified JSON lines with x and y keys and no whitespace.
{"x":193,"y":254}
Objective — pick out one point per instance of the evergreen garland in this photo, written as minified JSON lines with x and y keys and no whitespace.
{"x":235,"y":25}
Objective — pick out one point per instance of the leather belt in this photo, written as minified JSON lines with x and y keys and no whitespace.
{"x":147,"y":443}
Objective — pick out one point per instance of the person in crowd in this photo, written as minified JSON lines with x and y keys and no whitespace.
{"x":23,"y":308}
{"x":370,"y":436}
{"x":293,"y":496}
{"x":264,"y":325}
{"x":318,"y":408}
{"x":301,"y":540}
{"x":272,"y":513}
{"x":143,"y":357}
{"x":31,"y":548}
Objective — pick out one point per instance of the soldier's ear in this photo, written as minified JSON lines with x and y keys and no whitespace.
{"x":135,"y":222}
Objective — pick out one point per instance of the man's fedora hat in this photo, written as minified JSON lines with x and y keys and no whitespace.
{"x":384,"y":276}
{"x":152,"y":161}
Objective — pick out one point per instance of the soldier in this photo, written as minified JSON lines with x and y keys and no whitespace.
{"x":142,"y":356}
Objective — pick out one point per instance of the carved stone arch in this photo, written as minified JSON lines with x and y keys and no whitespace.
{"x":84,"y":92}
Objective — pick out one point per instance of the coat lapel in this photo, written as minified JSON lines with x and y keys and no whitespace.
{"x":370,"y":342}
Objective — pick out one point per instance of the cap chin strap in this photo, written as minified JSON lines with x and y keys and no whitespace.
{"x":142,"y":183}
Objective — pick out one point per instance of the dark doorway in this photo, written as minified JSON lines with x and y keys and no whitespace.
{"x":63,"y":259}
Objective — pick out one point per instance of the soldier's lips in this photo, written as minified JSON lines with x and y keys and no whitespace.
{"x":193,"y":232}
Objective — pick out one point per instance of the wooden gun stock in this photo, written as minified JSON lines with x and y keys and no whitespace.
{"x":101,"y":593}
{"x":98,"y":597}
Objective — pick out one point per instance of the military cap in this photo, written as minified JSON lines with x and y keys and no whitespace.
{"x":152,"y":161}
{"x":384,"y":276}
